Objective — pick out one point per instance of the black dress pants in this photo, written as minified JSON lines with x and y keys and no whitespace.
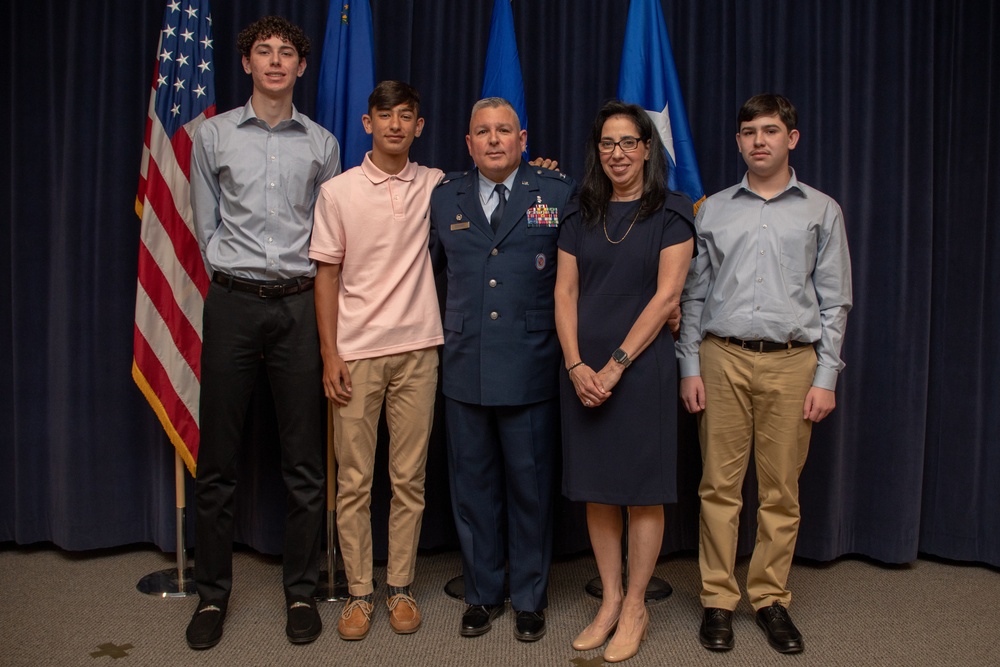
{"x":240,"y":332}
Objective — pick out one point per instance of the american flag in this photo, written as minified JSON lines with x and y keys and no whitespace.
{"x":172,"y":281}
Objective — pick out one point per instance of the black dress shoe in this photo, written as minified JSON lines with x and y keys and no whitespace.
{"x":205,"y":628}
{"x":782,"y":634}
{"x":530,"y":626}
{"x":304,"y":623}
{"x":478,"y":619}
{"x":716,"y":633}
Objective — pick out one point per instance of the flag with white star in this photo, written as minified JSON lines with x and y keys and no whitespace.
{"x":648,"y":77}
{"x":172,"y":280}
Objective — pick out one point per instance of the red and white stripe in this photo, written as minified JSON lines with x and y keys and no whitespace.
{"x":171,"y":287}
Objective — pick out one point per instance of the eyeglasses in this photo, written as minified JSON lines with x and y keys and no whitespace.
{"x":627,"y":144}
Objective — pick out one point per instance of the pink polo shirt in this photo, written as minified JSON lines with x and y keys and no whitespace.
{"x":376,"y":226}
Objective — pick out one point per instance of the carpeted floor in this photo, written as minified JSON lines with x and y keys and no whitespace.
{"x":61,"y":608}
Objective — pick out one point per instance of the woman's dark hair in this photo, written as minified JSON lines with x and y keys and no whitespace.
{"x":596,"y":190}
{"x":272,"y":26}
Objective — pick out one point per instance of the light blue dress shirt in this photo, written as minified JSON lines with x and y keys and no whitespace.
{"x":253,"y":188}
{"x":772,"y":269}
{"x":487,"y":192}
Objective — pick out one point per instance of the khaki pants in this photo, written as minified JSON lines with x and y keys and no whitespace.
{"x":752,"y":400}
{"x":407,"y":382}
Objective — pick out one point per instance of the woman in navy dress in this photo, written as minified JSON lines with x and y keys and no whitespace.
{"x":621,"y":268}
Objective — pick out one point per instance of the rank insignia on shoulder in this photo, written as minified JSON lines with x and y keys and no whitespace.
{"x":452,"y":176}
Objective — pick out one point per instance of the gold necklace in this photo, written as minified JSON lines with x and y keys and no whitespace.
{"x":605,"y":221}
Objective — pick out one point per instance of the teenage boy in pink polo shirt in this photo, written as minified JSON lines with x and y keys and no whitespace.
{"x":379,"y":328}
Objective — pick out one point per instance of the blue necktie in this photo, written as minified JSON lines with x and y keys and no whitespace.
{"x":497,"y":213}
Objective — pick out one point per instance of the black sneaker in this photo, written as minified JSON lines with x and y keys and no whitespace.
{"x":304,"y":623}
{"x":205,"y":628}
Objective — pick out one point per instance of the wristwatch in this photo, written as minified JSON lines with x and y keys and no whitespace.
{"x":621,"y":356}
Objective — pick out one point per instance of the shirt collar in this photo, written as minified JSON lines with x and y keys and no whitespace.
{"x":486,"y":186}
{"x":249,"y":115}
{"x":376,"y":175}
{"x":793,"y":184}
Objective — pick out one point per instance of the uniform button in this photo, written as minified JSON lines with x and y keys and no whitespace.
{"x":765,"y":226}
{"x":760,"y":280}
{"x":494,"y":252}
{"x":762,"y":252}
{"x":493,"y":283}
{"x":494,"y":315}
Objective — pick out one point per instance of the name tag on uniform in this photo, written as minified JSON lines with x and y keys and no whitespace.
{"x":455,"y":226}
{"x":542,"y":215}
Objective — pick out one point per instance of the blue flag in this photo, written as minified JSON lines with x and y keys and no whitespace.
{"x":346,"y":78}
{"x":648,"y":78}
{"x":502,"y":74}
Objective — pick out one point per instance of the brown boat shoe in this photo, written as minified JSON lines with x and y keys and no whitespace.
{"x":355,"y":620}
{"x":404,"y":617}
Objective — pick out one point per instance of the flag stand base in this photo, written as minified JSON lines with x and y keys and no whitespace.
{"x":657,"y":589}
{"x":179,"y":581}
{"x":332,"y":586}
{"x":166,"y":583}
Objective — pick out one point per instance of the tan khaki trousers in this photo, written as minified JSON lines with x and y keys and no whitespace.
{"x":407,"y":382}
{"x":752,"y":400}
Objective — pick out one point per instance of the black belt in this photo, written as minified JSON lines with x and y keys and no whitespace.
{"x":762,"y":345}
{"x":265,"y":289}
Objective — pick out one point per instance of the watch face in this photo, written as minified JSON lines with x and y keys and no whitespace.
{"x":620,"y":356}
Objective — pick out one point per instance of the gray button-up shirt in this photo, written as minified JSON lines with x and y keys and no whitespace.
{"x":253,"y":188}
{"x":774,"y":269}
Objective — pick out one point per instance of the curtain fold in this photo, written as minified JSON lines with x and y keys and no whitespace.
{"x":900,"y":122}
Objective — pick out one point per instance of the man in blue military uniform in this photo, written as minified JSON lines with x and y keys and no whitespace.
{"x":494,"y":232}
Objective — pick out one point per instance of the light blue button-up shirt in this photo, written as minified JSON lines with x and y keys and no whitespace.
{"x":487,"y":192}
{"x":253,"y":188}
{"x":773,"y":269}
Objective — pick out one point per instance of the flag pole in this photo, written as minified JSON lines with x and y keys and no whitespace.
{"x":178,"y":581}
{"x":172,"y":281}
{"x":332,"y":584}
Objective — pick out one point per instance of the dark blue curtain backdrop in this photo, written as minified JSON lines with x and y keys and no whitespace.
{"x":900,"y":120}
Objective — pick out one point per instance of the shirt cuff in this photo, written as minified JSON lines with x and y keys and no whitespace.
{"x":689,"y":366}
{"x":825,"y":378}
